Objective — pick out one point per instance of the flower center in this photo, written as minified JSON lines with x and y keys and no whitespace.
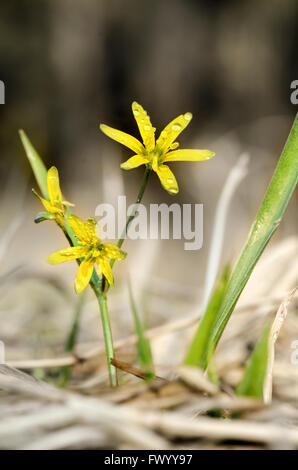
{"x":155,"y":158}
{"x":96,"y":249}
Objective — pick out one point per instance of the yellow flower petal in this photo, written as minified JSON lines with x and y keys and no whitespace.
{"x":54,"y":186}
{"x":134,"y":162}
{"x":47,"y":205}
{"x":67,"y":203}
{"x":105,"y":268}
{"x":188,"y":155}
{"x":123,"y":138}
{"x":113,"y":252}
{"x":144,"y":125}
{"x":167,"y":179}
{"x":67,"y":254}
{"x":84,"y":274}
{"x":84,"y":231}
{"x":172,"y":130}
{"x":92,"y":228}
{"x":173,"y":146}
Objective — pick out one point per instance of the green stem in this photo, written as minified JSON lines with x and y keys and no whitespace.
{"x":107,"y":332}
{"x":140,"y":195}
{"x":133,"y":214}
{"x":97,"y":285}
{"x":100,"y":288}
{"x":105,"y":286}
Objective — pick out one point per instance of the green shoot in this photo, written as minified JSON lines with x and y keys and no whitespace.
{"x":37,"y":165}
{"x":143,"y":344}
{"x":198,"y":353}
{"x":252,"y":383}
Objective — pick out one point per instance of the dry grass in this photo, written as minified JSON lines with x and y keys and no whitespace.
{"x":181,"y":409}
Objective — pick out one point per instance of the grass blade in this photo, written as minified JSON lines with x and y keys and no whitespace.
{"x":266,"y":222}
{"x":199,"y":351}
{"x":143,"y":344}
{"x":36,"y":163}
{"x":252,"y":383}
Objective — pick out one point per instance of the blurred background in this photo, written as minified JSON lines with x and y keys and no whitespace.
{"x":70,"y":64}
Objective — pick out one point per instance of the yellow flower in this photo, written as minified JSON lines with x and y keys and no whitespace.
{"x":55,"y":207}
{"x":91,"y":249}
{"x":156,"y":154}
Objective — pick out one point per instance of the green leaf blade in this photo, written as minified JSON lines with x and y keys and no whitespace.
{"x":198,"y":353}
{"x":275,"y":202}
{"x":42,"y":216}
{"x":143,"y":344}
{"x":37,"y":165}
{"x":252,"y":383}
